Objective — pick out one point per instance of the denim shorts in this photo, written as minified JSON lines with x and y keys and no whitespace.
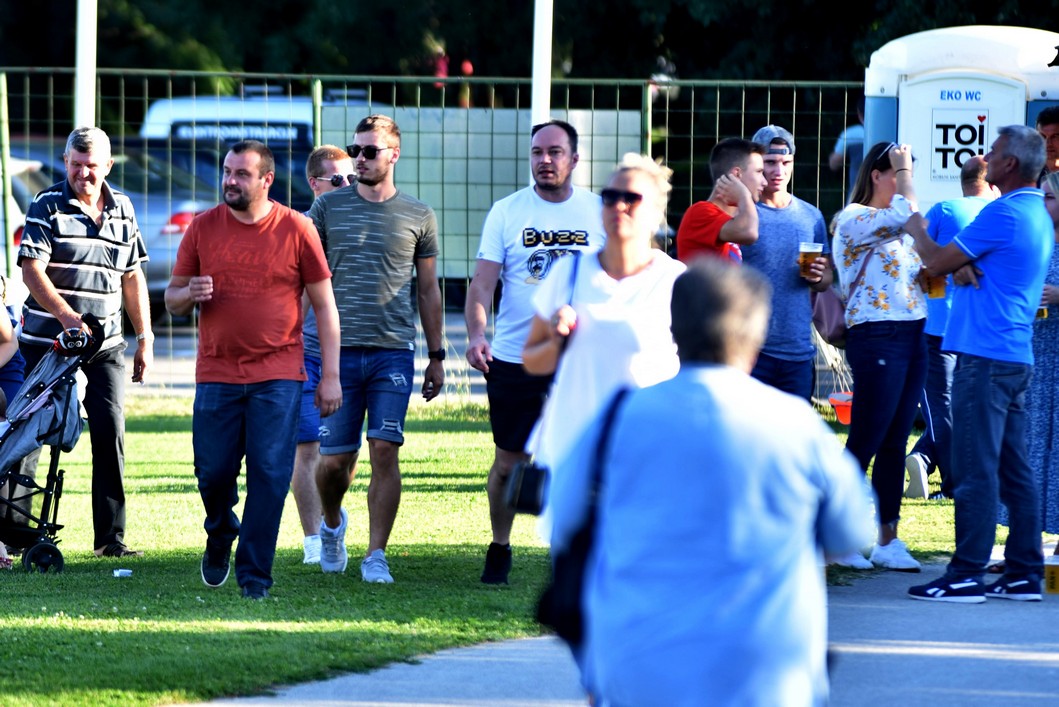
{"x":309,"y":417}
{"x":376,"y":383}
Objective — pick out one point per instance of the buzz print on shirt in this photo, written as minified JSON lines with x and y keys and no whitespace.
{"x":548,"y":248}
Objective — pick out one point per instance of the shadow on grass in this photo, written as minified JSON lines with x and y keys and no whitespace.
{"x":178,"y":640}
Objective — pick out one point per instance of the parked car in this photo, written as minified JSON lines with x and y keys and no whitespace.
{"x":27,"y":178}
{"x":164,"y":196}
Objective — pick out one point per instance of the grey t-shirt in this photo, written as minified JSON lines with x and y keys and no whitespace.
{"x":372,"y":249}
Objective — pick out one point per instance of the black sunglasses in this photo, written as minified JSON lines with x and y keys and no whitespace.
{"x":337,"y":179}
{"x":370,"y":151}
{"x":882,"y":162}
{"x":611,"y":197}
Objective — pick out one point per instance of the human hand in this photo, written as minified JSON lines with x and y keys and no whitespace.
{"x":1050,"y":295}
{"x":901,"y":157}
{"x":433,"y":379}
{"x":731,"y":191}
{"x":479,"y":354}
{"x":328,"y":398}
{"x":967,"y":275}
{"x":564,"y":321}
{"x":143,"y":360}
{"x":200,"y":288}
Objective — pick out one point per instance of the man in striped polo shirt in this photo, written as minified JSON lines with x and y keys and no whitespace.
{"x":81,"y":253}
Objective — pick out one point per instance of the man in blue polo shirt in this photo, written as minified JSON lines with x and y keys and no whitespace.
{"x":990,"y":328}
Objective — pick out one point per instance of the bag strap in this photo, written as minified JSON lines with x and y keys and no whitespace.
{"x":570,"y":300}
{"x":604,"y":439}
{"x":860,"y":273}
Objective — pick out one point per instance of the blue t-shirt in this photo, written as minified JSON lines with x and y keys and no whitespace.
{"x":1011,"y":243}
{"x":775,"y":255}
{"x":946,"y":219}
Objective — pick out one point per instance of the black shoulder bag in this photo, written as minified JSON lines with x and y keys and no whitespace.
{"x":560,"y":606}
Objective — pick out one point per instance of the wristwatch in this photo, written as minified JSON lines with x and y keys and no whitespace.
{"x":438,"y":355}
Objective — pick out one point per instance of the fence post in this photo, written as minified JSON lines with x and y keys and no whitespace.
{"x":5,"y":169}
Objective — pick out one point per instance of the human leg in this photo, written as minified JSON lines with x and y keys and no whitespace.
{"x":1019,"y":489}
{"x":981,"y":397}
{"x":306,"y":455}
{"x":271,"y":425}
{"x":105,"y":407}
{"x":218,"y":429}
{"x":935,"y":445}
{"x":794,"y":377}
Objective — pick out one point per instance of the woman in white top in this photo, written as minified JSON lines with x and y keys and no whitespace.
{"x":606,"y":313}
{"x":885,"y":346}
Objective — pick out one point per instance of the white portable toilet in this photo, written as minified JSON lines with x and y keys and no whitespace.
{"x":946,"y":91}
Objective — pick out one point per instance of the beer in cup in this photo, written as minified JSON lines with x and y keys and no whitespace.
{"x":807,"y":255}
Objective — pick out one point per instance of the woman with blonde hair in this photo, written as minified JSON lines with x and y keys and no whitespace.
{"x":879,"y":271}
{"x":606,"y":313}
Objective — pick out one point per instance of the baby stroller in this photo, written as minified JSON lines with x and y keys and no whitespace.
{"x":44,"y":412}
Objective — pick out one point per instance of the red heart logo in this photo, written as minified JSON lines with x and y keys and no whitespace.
{"x":981,"y":119}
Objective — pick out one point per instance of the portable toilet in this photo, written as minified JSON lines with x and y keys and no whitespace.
{"x":946,"y":91}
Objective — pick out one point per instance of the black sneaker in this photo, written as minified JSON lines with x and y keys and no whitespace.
{"x":255,"y":590}
{"x":497,"y":564}
{"x":957,"y":591}
{"x":215,"y":565}
{"x":1018,"y":589}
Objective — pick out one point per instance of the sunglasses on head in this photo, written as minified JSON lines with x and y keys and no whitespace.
{"x":882,"y":162}
{"x":370,"y":151}
{"x":336,"y":179}
{"x":611,"y":197}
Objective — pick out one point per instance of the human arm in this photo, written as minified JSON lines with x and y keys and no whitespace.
{"x":428,"y":293}
{"x":938,"y":260}
{"x":8,"y":343}
{"x":742,"y":228}
{"x":1050,"y":295}
{"x":138,"y":309}
{"x":35,"y":278}
{"x":476,"y":312}
{"x":835,"y":161}
{"x":540,"y":355}
{"x":821,"y":274}
{"x":329,"y":391}
{"x":183,"y":293}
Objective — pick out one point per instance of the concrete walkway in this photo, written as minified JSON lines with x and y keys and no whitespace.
{"x":888,"y":650}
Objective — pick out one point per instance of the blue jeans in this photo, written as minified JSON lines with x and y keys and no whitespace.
{"x":377,"y":383}
{"x":889,"y":365}
{"x":935,"y":445}
{"x":794,"y":377}
{"x":258,"y":421}
{"x":989,"y":465}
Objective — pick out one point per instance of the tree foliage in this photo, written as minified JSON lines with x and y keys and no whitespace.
{"x":766,"y":40}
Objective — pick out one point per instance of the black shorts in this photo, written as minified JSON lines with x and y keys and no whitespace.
{"x":515,"y":402}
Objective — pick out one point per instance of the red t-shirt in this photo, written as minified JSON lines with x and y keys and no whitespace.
{"x":251,"y":331}
{"x":700,"y":232}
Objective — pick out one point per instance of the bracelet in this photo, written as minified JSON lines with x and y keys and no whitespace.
{"x":903,"y":169}
{"x":141,"y":336}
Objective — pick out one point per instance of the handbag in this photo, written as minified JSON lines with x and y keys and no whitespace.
{"x":524,"y":489}
{"x":560,"y":604}
{"x":829,"y":310}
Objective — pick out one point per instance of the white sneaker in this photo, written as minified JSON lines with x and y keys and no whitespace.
{"x":333,"y":555}
{"x":917,"y":476}
{"x":894,"y":557}
{"x":311,"y":545}
{"x":853,"y":560}
{"x":375,"y":569}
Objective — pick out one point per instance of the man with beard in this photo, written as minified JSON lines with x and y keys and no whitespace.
{"x":81,"y":253}
{"x":245,"y":264}
{"x":375,"y":236}
{"x":524,"y":235}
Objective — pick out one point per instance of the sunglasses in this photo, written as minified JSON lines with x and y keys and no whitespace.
{"x":882,"y":162}
{"x":370,"y":151}
{"x":337,"y":179}
{"x":611,"y":197}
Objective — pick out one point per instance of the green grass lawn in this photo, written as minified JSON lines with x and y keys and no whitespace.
{"x":84,"y":637}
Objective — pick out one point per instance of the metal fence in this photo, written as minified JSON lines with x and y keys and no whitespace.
{"x":465,"y":140}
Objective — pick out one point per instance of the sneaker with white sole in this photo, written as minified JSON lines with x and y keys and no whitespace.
{"x":1018,"y":589}
{"x":894,"y":556}
{"x":333,"y":555}
{"x":916,"y":467}
{"x":311,"y":547}
{"x":375,"y":569}
{"x":854,"y":560}
{"x":956,"y":591}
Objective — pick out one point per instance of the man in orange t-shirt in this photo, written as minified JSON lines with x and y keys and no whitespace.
{"x":728,"y":219}
{"x":245,"y":264}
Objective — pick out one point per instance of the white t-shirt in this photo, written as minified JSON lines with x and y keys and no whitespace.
{"x":527,"y":236}
{"x":622,"y":338}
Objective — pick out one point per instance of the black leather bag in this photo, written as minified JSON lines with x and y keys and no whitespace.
{"x":524,"y":492}
{"x":560,"y":604}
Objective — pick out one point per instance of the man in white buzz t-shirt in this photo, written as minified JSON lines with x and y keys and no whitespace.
{"x":524,"y":235}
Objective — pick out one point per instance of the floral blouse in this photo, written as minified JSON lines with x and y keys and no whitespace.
{"x":889,"y":289}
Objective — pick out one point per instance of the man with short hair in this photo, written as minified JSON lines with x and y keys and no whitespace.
{"x":934,"y":448}
{"x":848,"y":151}
{"x":81,"y":253}
{"x":718,"y":498}
{"x":524,"y":235}
{"x":245,"y":265}
{"x":788,"y":358}
{"x":990,"y":327}
{"x":1048,"y":128}
{"x":728,"y":219}
{"x":375,"y":235}
{"x":327,"y":168}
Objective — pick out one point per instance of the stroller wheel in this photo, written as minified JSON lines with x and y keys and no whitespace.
{"x":43,"y":557}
